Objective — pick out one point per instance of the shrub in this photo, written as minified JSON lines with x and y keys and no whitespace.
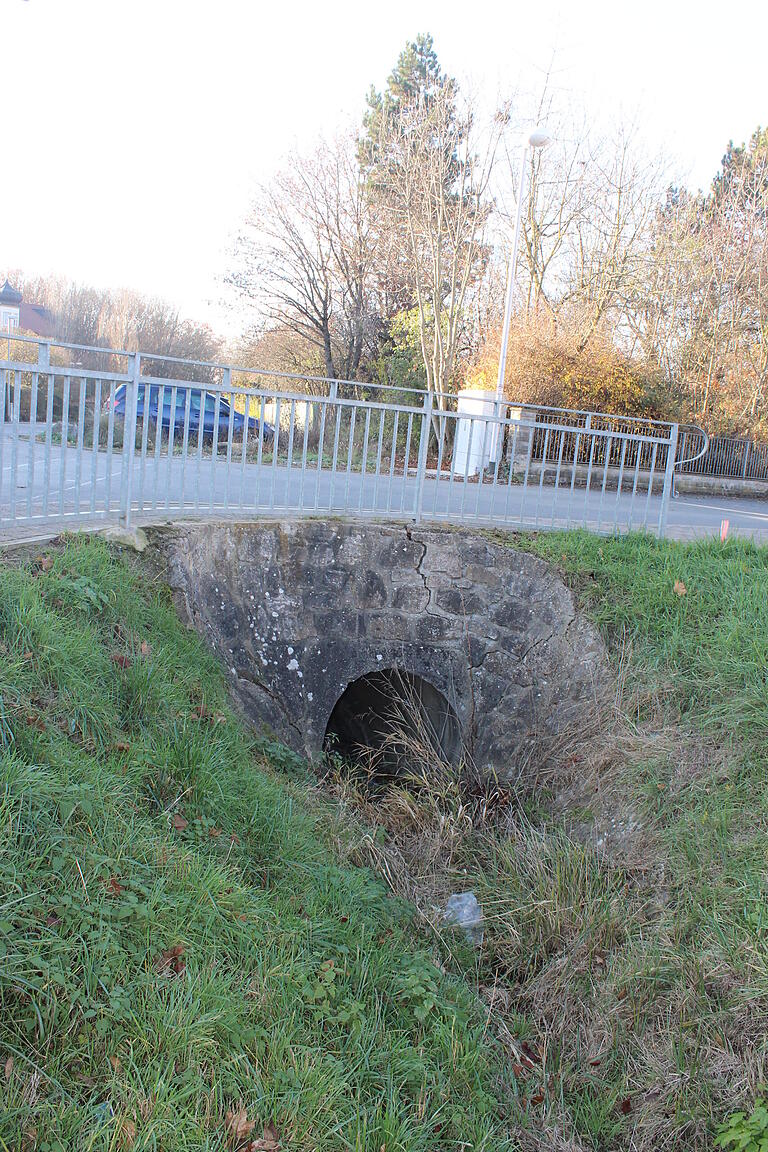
{"x":547,"y":367}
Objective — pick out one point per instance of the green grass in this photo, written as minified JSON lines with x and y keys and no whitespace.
{"x":154,"y":975}
{"x":617,"y":1002}
{"x":710,"y":645}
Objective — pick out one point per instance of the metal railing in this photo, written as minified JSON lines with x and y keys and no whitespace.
{"x":92,"y":434}
{"x":729,"y":457}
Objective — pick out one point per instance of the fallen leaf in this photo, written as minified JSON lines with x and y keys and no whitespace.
{"x":178,"y":822}
{"x":44,"y":563}
{"x":145,"y":648}
{"x":214,"y":833}
{"x":530,"y":1052}
{"x":52,"y":920}
{"x":9,"y":1068}
{"x":626,"y":1106}
{"x":171,"y":962}
{"x":127,"y":1133}
{"x":269,"y":1142}
{"x":121,"y":660}
{"x":114,"y":887}
{"x":238,"y":1126}
{"x":679,"y":588}
{"x":538,"y":1098}
{"x":122,"y":746}
{"x":115,"y":1062}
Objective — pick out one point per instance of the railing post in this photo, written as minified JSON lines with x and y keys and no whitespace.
{"x":746,"y":459}
{"x":669,"y":475}
{"x":129,"y":438}
{"x":588,"y":432}
{"x":43,"y":369}
{"x":421,"y":467}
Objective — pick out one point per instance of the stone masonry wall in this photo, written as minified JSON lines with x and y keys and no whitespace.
{"x":298,"y":610}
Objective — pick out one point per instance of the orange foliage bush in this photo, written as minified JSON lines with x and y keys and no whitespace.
{"x":548,"y":368}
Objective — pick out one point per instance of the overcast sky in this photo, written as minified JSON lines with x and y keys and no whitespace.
{"x":135,"y":130}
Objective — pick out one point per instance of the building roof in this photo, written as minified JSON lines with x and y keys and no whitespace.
{"x":9,"y":295}
{"x":35,"y":318}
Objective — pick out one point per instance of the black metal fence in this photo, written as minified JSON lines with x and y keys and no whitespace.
{"x":726,"y":456}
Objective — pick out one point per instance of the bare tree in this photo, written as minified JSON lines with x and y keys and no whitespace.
{"x":590,"y":201}
{"x":103,"y":318}
{"x":307,"y":258}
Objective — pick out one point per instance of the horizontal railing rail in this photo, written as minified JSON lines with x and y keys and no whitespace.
{"x":83,"y":442}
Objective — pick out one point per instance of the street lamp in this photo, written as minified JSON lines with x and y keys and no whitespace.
{"x":534,"y":139}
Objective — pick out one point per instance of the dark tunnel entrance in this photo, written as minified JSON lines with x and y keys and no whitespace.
{"x":390,"y":722}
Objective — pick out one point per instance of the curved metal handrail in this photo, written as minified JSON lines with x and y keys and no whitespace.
{"x":691,"y":459}
{"x":682,"y":430}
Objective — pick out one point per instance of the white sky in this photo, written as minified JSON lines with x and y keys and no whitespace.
{"x":134,"y":130}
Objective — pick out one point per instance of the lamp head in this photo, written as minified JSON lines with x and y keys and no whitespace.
{"x":537,"y":139}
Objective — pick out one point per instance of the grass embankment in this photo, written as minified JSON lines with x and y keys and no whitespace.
{"x":177,"y":940}
{"x":683,"y":984}
{"x":631,"y":987}
{"x":159,"y":972}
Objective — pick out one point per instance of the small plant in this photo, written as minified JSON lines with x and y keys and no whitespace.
{"x":81,"y":594}
{"x":417,"y":988}
{"x":745,"y":1133}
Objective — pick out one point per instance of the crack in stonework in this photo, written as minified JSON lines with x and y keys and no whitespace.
{"x":536,"y":644}
{"x":419,"y":572}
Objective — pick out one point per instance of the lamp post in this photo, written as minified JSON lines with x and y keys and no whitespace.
{"x":534,"y":139}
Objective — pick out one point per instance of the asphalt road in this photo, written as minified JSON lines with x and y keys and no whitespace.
{"x":168,"y":489}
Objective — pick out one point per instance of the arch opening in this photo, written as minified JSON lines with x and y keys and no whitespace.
{"x":389,"y":722}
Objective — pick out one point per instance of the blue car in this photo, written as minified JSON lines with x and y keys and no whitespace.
{"x":196,"y":402}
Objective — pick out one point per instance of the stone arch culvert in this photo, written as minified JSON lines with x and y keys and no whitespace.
{"x":310,"y":618}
